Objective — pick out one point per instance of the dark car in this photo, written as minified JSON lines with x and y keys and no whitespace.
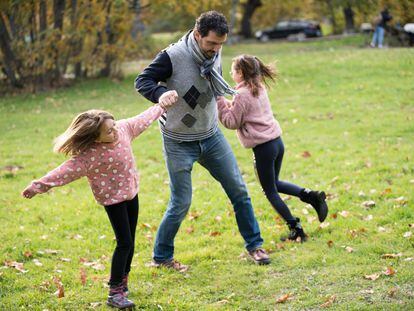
{"x":292,"y":29}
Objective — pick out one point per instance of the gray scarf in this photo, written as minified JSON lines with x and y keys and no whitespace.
{"x":218,"y":85}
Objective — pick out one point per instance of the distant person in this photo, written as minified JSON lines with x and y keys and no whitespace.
{"x":188,"y":73}
{"x":100,"y":149}
{"x":380,"y":23}
{"x":251,"y":115}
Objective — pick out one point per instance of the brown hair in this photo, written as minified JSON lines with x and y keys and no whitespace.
{"x":254,"y":72}
{"x":81,"y":133}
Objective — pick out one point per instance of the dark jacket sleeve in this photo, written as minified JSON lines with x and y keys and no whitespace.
{"x":158,"y":71}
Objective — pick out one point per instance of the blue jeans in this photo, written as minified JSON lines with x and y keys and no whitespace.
{"x":378,"y":37}
{"x":215,"y":154}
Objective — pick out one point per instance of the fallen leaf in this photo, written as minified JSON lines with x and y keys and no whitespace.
{"x":311,"y":219}
{"x":328,"y":302}
{"x":193,"y":215}
{"x":324,"y":225}
{"x":217,"y":218}
{"x":214,"y":233}
{"x":27,"y":254}
{"x":65,"y":259}
{"x":381,"y":229}
{"x":344,"y":214}
{"x":284,"y":298}
{"x":94,"y":305}
{"x":368,"y":218}
{"x":334,"y":180}
{"x":390,"y":271}
{"x":306,"y":154}
{"x":37,"y":262}
{"x":392,"y":292}
{"x":361,"y":193}
{"x":369,"y":203}
{"x":372,"y":277}
{"x":349,"y":249}
{"x":60,"y":292}
{"x":11,"y":168}
{"x":83,"y":276}
{"x":305,"y":211}
{"x":77,"y":237}
{"x":189,"y":230}
{"x":401,"y":200}
{"x":386,"y":191}
{"x":16,"y":265}
{"x":145,"y":225}
{"x":407,"y":234}
{"x":330,"y":243}
{"x":390,"y":256}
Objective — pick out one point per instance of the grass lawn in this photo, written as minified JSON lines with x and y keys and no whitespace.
{"x":347,"y":115}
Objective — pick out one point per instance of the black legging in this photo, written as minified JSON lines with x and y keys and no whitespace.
{"x":268,"y":157}
{"x":124,"y":218}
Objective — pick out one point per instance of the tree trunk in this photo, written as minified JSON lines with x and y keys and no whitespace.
{"x":349,"y":19}
{"x":106,"y":71}
{"x":58,"y":12}
{"x":332,"y":16}
{"x":137,"y":25}
{"x":9,"y":63}
{"x":234,"y":4}
{"x":249,"y":7}
{"x":42,"y":19}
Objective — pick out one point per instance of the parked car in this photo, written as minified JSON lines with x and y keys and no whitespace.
{"x":291,"y":29}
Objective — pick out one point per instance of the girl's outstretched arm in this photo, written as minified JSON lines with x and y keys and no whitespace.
{"x":67,"y":172}
{"x":231,"y":112}
{"x":136,"y":125}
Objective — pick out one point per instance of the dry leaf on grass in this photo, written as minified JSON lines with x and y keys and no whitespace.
{"x":328,"y":302}
{"x":389,"y":256}
{"x":344,"y":214}
{"x":284,"y":298}
{"x":189,"y":230}
{"x":372,"y":277}
{"x":60,"y":290}
{"x":330,"y":243}
{"x":389,"y":271}
{"x":349,"y":249}
{"x":407,"y":234}
{"x":369,"y":203}
{"x":306,"y":154}
{"x":324,"y":225}
{"x":214,"y":233}
{"x":82,"y":273}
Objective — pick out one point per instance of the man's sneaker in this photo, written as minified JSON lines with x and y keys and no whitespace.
{"x":296,"y":232}
{"x":125,"y":285}
{"x":117,"y":299}
{"x":170,"y":264}
{"x":259,"y":256}
{"x":317,"y":200}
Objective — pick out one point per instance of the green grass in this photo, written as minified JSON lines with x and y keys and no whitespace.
{"x":350,"y":108}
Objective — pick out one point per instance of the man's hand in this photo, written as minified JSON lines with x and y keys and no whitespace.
{"x":28,"y":193}
{"x":168,"y":99}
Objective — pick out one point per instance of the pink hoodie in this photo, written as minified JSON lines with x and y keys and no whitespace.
{"x":251,"y":116}
{"x":109,"y":167}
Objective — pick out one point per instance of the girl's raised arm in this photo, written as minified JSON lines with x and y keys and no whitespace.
{"x":136,"y":125}
{"x":231,"y":113}
{"x":67,"y":172}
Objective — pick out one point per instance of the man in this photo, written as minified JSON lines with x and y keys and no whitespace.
{"x":380,"y":27}
{"x":188,"y":74}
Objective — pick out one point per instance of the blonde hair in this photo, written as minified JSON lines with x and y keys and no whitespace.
{"x":254,"y":72}
{"x":81,"y":133}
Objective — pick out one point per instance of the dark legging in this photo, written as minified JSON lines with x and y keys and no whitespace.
{"x":124,"y":218}
{"x":268,"y":158}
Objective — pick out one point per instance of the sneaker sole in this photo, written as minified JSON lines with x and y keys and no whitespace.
{"x":120,"y":308}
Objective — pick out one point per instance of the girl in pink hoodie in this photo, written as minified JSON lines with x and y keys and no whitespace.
{"x":100,"y":149}
{"x":250,"y":114}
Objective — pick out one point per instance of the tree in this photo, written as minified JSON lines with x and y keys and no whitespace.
{"x":249,"y":8}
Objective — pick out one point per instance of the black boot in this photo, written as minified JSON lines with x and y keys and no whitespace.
{"x":296,"y":232}
{"x":317,"y":200}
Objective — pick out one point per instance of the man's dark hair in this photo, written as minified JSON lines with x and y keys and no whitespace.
{"x":212,"y":21}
